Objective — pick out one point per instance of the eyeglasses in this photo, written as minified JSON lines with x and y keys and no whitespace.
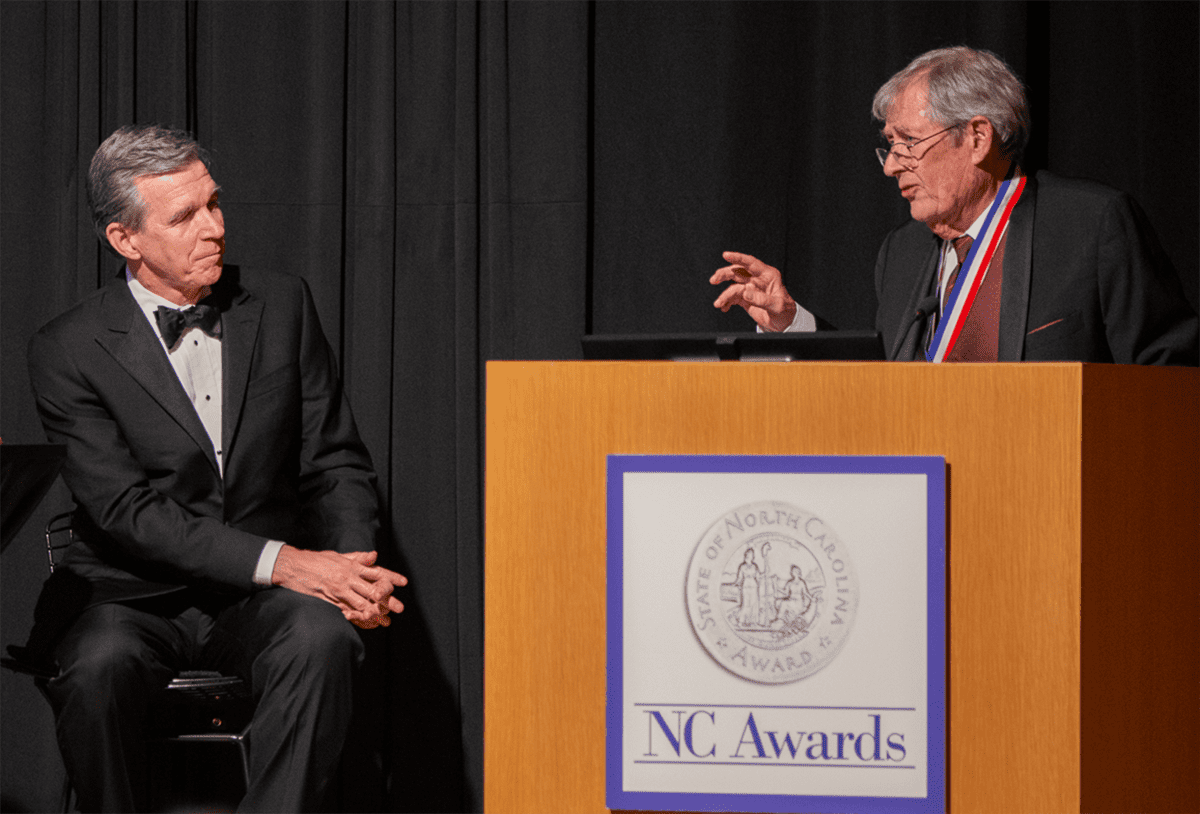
{"x":904,"y":150}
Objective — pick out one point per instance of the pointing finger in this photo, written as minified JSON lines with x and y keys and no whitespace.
{"x":747,"y":261}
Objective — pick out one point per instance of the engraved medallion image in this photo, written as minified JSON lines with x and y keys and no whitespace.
{"x":771,"y":592}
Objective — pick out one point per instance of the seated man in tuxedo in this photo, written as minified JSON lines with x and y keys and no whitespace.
{"x":226,"y":511}
{"x":995,"y":266}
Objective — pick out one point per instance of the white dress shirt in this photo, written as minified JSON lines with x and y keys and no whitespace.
{"x":196,"y":359}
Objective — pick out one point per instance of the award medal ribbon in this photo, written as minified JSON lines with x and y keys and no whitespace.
{"x":974,"y":269}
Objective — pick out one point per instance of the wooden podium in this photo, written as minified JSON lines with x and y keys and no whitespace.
{"x":1073,"y":540}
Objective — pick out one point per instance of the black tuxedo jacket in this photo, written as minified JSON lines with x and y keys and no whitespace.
{"x":154,"y":514}
{"x":1084,"y":280}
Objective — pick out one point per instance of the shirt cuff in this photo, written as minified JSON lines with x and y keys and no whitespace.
{"x":266,"y":563}
{"x":803,"y":322}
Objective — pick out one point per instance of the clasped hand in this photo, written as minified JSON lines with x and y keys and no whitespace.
{"x":756,"y":287}
{"x":352,"y":582}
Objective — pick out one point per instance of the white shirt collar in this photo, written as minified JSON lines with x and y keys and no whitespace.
{"x":149,"y":302}
{"x":974,"y":229}
{"x":145,"y":297}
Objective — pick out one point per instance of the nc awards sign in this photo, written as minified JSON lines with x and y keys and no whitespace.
{"x":776,"y":633}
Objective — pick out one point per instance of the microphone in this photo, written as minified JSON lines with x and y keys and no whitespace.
{"x":925,"y":309}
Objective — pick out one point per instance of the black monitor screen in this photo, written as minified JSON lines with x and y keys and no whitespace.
{"x":811,"y":346}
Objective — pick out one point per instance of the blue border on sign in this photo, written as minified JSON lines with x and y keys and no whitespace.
{"x":934,"y":468}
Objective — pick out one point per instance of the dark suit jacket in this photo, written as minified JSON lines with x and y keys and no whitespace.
{"x":1084,"y":280}
{"x":154,"y":513}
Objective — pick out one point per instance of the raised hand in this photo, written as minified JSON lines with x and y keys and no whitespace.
{"x":756,"y":287}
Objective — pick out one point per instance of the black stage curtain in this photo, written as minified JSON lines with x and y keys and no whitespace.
{"x":468,"y":181}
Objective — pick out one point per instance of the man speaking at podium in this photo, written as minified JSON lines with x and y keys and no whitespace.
{"x":226,"y":508}
{"x":995,"y":266}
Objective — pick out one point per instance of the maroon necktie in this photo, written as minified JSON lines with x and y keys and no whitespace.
{"x":962,"y":245}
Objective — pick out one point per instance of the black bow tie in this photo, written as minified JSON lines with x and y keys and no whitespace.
{"x":172,"y":322}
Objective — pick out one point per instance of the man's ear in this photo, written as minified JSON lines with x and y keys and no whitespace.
{"x":121,"y":239}
{"x":982,"y":136}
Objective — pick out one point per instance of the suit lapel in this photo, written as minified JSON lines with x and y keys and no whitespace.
{"x":1018,"y":263}
{"x":240,"y":322}
{"x":129,"y":339}
{"x":910,"y":343}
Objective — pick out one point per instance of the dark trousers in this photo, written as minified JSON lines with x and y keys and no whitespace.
{"x":297,"y":653}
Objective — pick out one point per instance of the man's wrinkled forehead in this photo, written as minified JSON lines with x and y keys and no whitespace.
{"x":178,"y":189}
{"x":909,"y":108}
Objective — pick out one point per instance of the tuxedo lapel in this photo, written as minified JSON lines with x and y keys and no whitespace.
{"x":127,"y":336}
{"x":1018,"y":263}
{"x":239,"y":326}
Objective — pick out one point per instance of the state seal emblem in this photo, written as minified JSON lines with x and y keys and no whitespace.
{"x":771,"y":592}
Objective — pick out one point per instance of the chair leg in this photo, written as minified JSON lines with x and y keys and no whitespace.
{"x":68,"y":795}
{"x":245,"y":755}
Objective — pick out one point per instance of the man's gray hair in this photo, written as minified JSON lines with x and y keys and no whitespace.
{"x":963,"y":83}
{"x":132,"y":152}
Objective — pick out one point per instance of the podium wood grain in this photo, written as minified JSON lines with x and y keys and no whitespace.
{"x":1073,"y":494}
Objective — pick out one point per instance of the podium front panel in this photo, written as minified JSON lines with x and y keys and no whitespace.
{"x":1013,"y":440}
